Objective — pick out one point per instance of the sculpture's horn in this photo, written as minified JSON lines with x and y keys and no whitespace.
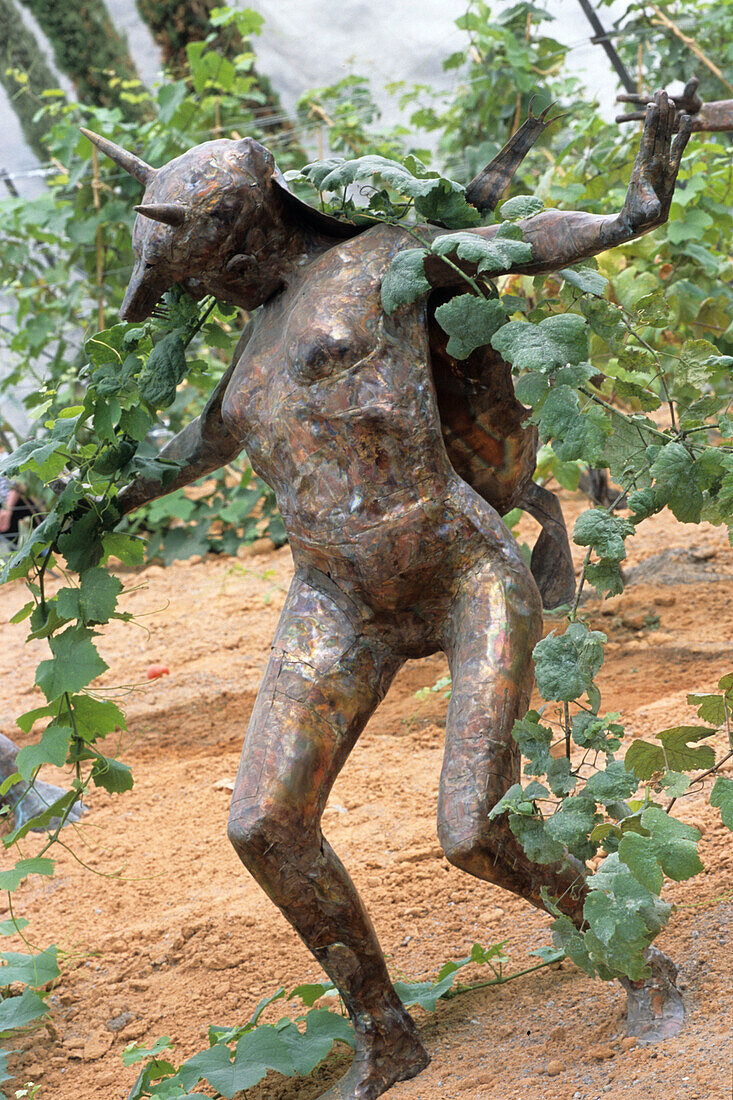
{"x":132,"y":164}
{"x":169,"y":213}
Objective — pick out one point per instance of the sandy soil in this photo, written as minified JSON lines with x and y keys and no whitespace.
{"x":166,"y":933}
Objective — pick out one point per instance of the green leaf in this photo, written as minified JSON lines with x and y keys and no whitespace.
{"x":96,"y":717}
{"x":498,"y":253}
{"x":13,"y":926}
{"x":676,"y":484}
{"x":11,"y":880}
{"x":592,"y":731}
{"x":32,"y":970}
{"x":646,"y":760}
{"x":82,"y":544}
{"x":75,"y":663}
{"x":51,"y":749}
{"x":604,"y":532}
{"x":722,"y":796}
{"x":639,"y":856}
{"x":531,"y":388}
{"x":536,"y":840}
{"x":715,"y":709}
{"x":405,"y":280}
{"x":323,"y":1028}
{"x":310,"y":992}
{"x":624,"y":917}
{"x":605,"y":576}
{"x":128,"y":548}
{"x":614,"y":784}
{"x":113,"y":775}
{"x":43,"y":820}
{"x":572,"y":943}
{"x":94,"y":601}
{"x":425,"y":994}
{"x":534,"y":742}
{"x":164,"y":370}
{"x":42,"y":536}
{"x":546,"y":346}
{"x":134,"y":1053}
{"x":585,"y":279}
{"x":675,"y":783}
{"x":572,"y":823}
{"x":521,"y":206}
{"x":672,"y":844}
{"x":16,"y":1012}
{"x":566,"y":665}
{"x":470,"y":322}
{"x":559,"y":777}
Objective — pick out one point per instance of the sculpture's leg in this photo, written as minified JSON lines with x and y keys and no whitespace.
{"x":493,"y":627}
{"x":324,"y":678}
{"x":494,"y":624}
{"x":552,"y":562}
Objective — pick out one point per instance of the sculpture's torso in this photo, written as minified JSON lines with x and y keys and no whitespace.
{"x":335,"y":405}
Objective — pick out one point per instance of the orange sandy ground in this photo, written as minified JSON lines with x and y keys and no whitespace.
{"x":162,"y":924}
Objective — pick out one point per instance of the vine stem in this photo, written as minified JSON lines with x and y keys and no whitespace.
{"x":702,"y":775}
{"x":459,"y":989}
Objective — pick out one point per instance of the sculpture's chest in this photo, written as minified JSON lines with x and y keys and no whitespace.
{"x":313,"y":338}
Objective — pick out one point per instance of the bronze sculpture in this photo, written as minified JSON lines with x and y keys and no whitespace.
{"x":347,"y":412}
{"x":715,"y":116}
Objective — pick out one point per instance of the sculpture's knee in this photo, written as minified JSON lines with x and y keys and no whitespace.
{"x":473,"y":852}
{"x":255,"y":832}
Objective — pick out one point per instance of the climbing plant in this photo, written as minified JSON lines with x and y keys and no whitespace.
{"x":625,"y":364}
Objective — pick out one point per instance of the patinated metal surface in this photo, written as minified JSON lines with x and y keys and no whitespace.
{"x":353,"y":417}
{"x":717,"y":115}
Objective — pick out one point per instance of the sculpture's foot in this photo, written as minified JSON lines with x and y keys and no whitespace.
{"x":654,"y":1009}
{"x":31,"y":801}
{"x":386,"y":1052}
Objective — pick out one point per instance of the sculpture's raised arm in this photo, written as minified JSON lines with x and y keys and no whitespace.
{"x":712,"y":117}
{"x":560,"y":237}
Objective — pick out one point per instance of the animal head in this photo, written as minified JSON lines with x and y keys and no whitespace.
{"x":208,"y":221}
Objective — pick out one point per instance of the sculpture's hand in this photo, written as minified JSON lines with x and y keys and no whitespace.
{"x":688,"y":103}
{"x":654,"y":175}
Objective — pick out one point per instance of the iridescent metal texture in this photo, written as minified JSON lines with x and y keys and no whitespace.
{"x":712,"y":117}
{"x":399,"y":551}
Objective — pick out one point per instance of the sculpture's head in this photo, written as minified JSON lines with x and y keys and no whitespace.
{"x":217,"y":220}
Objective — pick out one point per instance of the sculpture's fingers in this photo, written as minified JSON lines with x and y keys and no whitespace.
{"x":664,"y":129}
{"x":690,"y":101}
{"x":634,"y":116}
{"x":634,"y":97}
{"x":678,"y":148}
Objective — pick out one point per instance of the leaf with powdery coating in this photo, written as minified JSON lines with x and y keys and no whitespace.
{"x":545,"y":347}
{"x":405,"y":279}
{"x":604,"y":532}
{"x":499,"y":253}
{"x":565,"y":665}
{"x":470,"y":322}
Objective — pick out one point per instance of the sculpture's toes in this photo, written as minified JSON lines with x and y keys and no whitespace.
{"x":654,"y":1006}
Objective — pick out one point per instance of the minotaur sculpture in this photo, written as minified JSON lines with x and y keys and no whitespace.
{"x":364,"y":427}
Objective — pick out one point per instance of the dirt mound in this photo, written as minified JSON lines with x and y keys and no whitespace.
{"x":166,"y":933}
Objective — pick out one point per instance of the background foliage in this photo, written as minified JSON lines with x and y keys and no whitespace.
{"x":624,"y":361}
